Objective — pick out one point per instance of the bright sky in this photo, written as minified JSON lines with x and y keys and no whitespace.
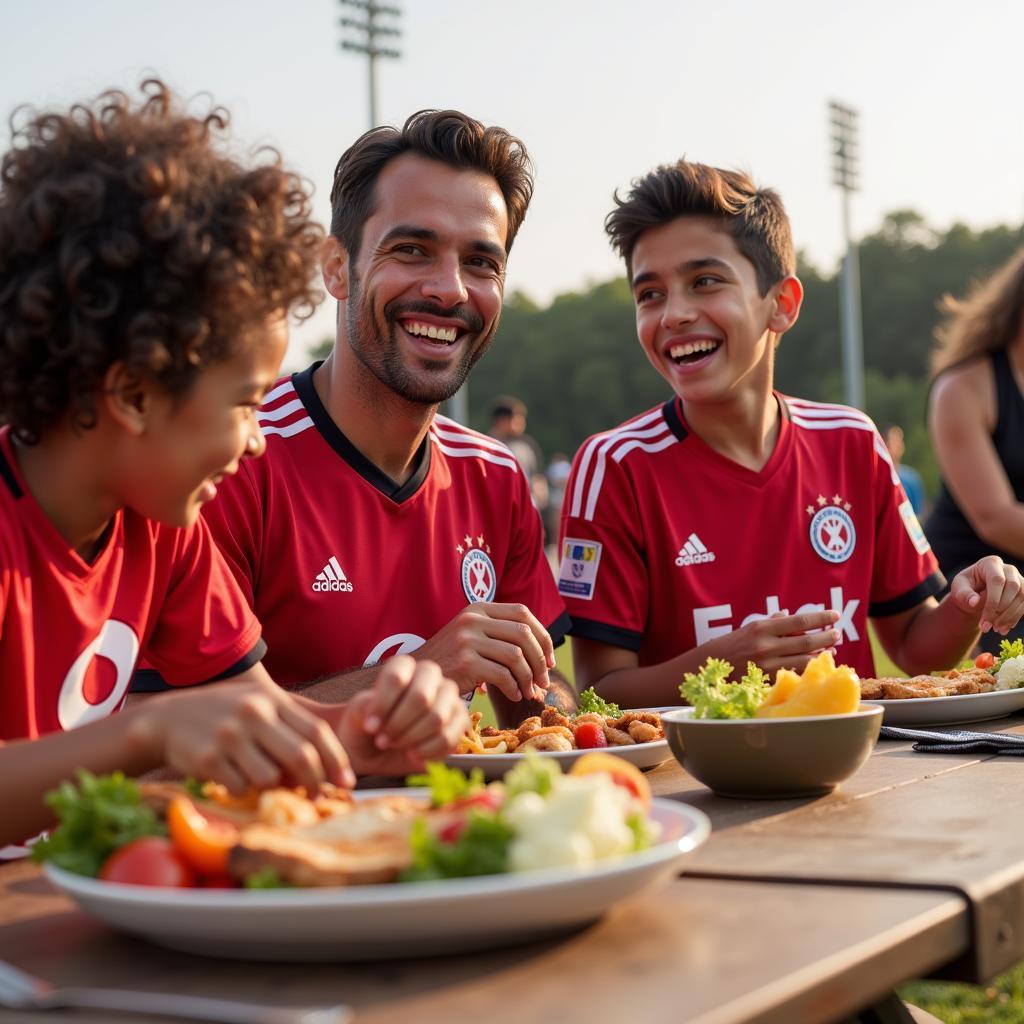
{"x":600,"y":91}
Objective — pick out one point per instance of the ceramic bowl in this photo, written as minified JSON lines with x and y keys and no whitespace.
{"x":773,"y":757}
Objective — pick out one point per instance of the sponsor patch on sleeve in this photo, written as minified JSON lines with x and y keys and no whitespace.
{"x":914,"y":531}
{"x":577,"y":575}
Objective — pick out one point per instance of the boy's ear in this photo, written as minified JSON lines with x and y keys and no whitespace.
{"x":334,"y":262}
{"x":789,"y":296}
{"x":127,"y":398}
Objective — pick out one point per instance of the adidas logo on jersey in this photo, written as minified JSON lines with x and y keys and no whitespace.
{"x":693,"y":552}
{"x":332,"y":577}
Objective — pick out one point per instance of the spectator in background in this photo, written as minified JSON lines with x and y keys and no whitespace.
{"x":976,"y":422}
{"x":909,"y":477}
{"x":508,"y":425}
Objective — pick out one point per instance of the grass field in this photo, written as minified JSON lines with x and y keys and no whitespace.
{"x":1001,"y":1002}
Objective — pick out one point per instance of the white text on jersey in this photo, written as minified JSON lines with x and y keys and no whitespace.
{"x":332,"y":577}
{"x":716,"y":620}
{"x":693,"y":552}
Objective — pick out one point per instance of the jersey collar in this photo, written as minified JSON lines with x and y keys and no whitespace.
{"x":329,"y":431}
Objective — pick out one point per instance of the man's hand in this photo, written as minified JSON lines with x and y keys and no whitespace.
{"x":411,"y":715}
{"x":782,"y":641}
{"x":992,"y":592}
{"x":246,"y":734}
{"x":502,"y":645}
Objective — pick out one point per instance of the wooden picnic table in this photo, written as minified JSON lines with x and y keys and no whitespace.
{"x":794,"y":911}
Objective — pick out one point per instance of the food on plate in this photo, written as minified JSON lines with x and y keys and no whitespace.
{"x":170,"y":834}
{"x":823,"y":688}
{"x":1009,"y":665}
{"x":556,"y":730}
{"x":954,"y":683}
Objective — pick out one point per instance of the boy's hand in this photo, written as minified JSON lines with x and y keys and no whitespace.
{"x":782,"y":641}
{"x":992,"y":591}
{"x":503,"y":645}
{"x":247,"y":734}
{"x":411,"y":715}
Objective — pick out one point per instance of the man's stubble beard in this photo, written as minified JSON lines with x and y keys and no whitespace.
{"x":377,"y":347}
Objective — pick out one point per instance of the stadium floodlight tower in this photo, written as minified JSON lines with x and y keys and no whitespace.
{"x":843,"y":121}
{"x":366,"y":32}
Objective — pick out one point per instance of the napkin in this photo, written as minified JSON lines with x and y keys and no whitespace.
{"x":957,"y":741}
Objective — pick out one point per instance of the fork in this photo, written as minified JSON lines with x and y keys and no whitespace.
{"x":22,"y":991}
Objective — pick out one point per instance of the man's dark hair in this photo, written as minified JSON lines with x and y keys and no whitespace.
{"x":447,"y":136}
{"x":754,"y":217}
{"x":507,"y":406}
{"x":127,"y":235}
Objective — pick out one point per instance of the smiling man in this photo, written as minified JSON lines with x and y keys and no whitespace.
{"x":732,"y":521}
{"x":374,"y":526}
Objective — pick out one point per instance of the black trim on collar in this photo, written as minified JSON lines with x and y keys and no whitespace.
{"x":303,"y":383}
{"x":928,"y":587}
{"x":675,"y":422}
{"x":605,"y":634}
{"x":7,"y":472}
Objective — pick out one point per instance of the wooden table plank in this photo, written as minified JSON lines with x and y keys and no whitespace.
{"x":698,"y":951}
{"x":906,"y":819}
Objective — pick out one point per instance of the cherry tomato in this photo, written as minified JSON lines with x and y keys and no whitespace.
{"x":203,"y":839}
{"x":590,"y":735}
{"x":151,"y":860}
{"x":451,"y":832}
{"x":622,"y":774}
{"x":985,"y":660}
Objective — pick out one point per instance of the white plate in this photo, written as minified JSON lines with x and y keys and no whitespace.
{"x":371,"y":922}
{"x":956,"y":710}
{"x":494,"y":766}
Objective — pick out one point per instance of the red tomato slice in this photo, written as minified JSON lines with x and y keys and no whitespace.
{"x":590,"y":735}
{"x":151,"y":860}
{"x":204,"y":840}
{"x":985,"y":660}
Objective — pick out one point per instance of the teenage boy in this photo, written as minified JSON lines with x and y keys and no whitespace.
{"x":373,"y":525}
{"x":145,"y":278}
{"x":732,"y":521}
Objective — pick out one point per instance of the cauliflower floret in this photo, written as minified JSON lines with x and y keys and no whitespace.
{"x":1011,"y":674}
{"x":582,"y":820}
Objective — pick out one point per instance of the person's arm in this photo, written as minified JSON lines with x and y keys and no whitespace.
{"x":788,"y":641}
{"x":961,"y":412}
{"x":937,"y":635}
{"x":244,"y":732}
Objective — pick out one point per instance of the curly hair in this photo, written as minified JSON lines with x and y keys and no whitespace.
{"x":989,"y":318}
{"x":448,"y":136}
{"x":127,"y":233}
{"x":754,"y":217}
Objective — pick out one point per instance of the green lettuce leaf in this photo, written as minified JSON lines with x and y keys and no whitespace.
{"x":714,"y":696}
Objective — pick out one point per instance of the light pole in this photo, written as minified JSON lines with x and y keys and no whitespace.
{"x":844,"y":174}
{"x":366,"y":31}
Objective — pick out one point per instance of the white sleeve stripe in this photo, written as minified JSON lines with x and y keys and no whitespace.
{"x":623,"y":450}
{"x":282,"y":389}
{"x":480,"y":453}
{"x":478,"y":439}
{"x":280,"y":412}
{"x":854,"y":424}
{"x":658,"y":431}
{"x":657,"y":446}
{"x":293,"y":428}
{"x":625,"y":430}
{"x":829,"y":414}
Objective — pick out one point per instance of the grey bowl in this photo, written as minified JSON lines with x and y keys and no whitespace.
{"x":773,"y":757}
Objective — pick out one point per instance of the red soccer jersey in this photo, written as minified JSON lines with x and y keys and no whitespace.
{"x":666,"y":544}
{"x":344,"y":568}
{"x":71,"y":632}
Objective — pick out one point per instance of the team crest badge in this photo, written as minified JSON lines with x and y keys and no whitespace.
{"x":833,"y":535}
{"x":479,"y":579}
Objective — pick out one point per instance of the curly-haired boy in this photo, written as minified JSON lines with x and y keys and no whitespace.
{"x":145,"y":281}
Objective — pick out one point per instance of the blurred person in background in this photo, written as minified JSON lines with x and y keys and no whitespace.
{"x":909,"y":477}
{"x":976,"y":422}
{"x":508,"y":425}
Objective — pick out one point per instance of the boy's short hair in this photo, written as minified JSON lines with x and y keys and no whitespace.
{"x":448,"y":136}
{"x":754,"y":217}
{"x":128,"y":234}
